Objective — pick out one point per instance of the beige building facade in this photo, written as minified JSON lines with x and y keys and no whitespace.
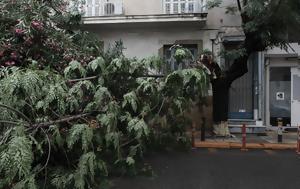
{"x":150,"y":27}
{"x":146,"y":26}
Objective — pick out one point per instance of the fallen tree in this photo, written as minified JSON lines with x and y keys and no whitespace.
{"x":71,"y":114}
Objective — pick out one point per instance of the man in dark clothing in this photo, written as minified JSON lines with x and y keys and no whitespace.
{"x":221,"y":83}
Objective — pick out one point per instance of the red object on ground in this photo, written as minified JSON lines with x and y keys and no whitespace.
{"x":193,"y":135}
{"x":244,"y":137}
{"x":298,"y":141}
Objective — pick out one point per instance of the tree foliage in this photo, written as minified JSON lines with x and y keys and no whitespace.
{"x":71,"y":115}
{"x":43,"y":34}
{"x":266,"y":23}
{"x":79,"y":130}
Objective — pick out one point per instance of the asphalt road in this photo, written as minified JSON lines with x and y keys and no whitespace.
{"x":219,"y":169}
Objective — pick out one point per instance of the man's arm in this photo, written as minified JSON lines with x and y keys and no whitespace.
{"x":237,"y":69}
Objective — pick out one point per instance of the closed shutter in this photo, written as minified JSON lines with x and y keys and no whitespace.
{"x":93,"y":7}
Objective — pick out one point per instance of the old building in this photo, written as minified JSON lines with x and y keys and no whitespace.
{"x":270,"y":90}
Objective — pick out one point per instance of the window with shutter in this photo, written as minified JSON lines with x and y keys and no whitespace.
{"x":93,"y":7}
{"x":109,"y":8}
{"x":179,"y":6}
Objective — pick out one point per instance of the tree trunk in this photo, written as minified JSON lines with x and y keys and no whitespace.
{"x":221,"y":86}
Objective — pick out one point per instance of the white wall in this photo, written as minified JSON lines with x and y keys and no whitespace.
{"x":217,"y":17}
{"x":143,"y":43}
{"x":143,"y":7}
{"x":293,"y":49}
{"x":146,"y":41}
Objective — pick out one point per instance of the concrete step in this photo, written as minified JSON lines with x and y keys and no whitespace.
{"x":251,"y":129}
{"x":242,"y":121}
{"x":284,"y":128}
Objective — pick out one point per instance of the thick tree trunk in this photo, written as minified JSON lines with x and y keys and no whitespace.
{"x":221,"y":86}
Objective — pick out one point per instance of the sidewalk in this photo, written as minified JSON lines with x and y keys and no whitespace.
{"x":253,"y":141}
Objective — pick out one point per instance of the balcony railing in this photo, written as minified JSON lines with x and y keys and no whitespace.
{"x":103,"y":7}
{"x":184,"y":6}
{"x":96,"y":8}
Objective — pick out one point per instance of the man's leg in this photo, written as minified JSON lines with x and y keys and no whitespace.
{"x":226,"y":131}
{"x":221,"y":129}
{"x":216,"y":129}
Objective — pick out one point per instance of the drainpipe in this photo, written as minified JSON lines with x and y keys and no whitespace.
{"x":260,"y":86}
{"x":267,"y":92}
{"x":212,"y":45}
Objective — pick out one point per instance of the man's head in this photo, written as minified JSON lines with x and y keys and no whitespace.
{"x":206,"y":59}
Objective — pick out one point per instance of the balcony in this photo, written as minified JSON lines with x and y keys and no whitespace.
{"x":184,"y":6}
{"x":169,"y":12}
{"x":95,"y":8}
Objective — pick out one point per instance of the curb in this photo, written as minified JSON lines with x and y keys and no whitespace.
{"x":235,"y":145}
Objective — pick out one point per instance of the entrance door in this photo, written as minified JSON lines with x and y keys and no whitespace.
{"x":280,"y":95}
{"x":241,"y":94}
{"x":295,"y":105}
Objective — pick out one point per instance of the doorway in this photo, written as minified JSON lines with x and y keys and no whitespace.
{"x":280,"y":95}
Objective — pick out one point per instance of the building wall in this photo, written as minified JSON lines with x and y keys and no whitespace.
{"x":143,"y":7}
{"x":293,"y":49}
{"x":276,"y":61}
{"x":144,"y":41}
{"x":216,"y":16}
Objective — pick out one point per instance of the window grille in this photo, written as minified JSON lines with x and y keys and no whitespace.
{"x":179,"y":6}
{"x":103,"y":7}
{"x":109,"y":9}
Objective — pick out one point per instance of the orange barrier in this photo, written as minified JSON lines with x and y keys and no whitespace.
{"x":193,"y":134}
{"x":298,"y":141}
{"x":244,"y":138}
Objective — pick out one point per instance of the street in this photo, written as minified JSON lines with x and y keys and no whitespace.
{"x":219,"y":169}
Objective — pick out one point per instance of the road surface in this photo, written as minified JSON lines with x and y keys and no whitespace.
{"x":219,"y":169}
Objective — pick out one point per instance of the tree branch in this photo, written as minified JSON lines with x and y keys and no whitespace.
{"x":16,"y":111}
{"x":9,"y":122}
{"x":239,"y":5}
{"x":82,"y":79}
{"x":65,"y":119}
{"x":95,"y":77}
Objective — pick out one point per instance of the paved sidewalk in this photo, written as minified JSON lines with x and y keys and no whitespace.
{"x":253,"y":141}
{"x":269,"y":137}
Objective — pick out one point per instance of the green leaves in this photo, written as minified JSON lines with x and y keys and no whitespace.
{"x":131,"y":99}
{"x":213,"y":3}
{"x":138,"y":127}
{"x":86,"y":167}
{"x":96,"y":64}
{"x":76,"y":67}
{"x":16,"y":159}
{"x":80,"y":132}
{"x":61,"y":179}
{"x":130,"y":161}
{"x":102,"y":96}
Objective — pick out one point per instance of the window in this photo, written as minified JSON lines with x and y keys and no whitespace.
{"x":109,"y":9}
{"x":191,"y":7}
{"x":93,"y":8}
{"x":182,"y":7}
{"x":170,"y":60}
{"x":103,"y":7}
{"x":179,"y":6}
